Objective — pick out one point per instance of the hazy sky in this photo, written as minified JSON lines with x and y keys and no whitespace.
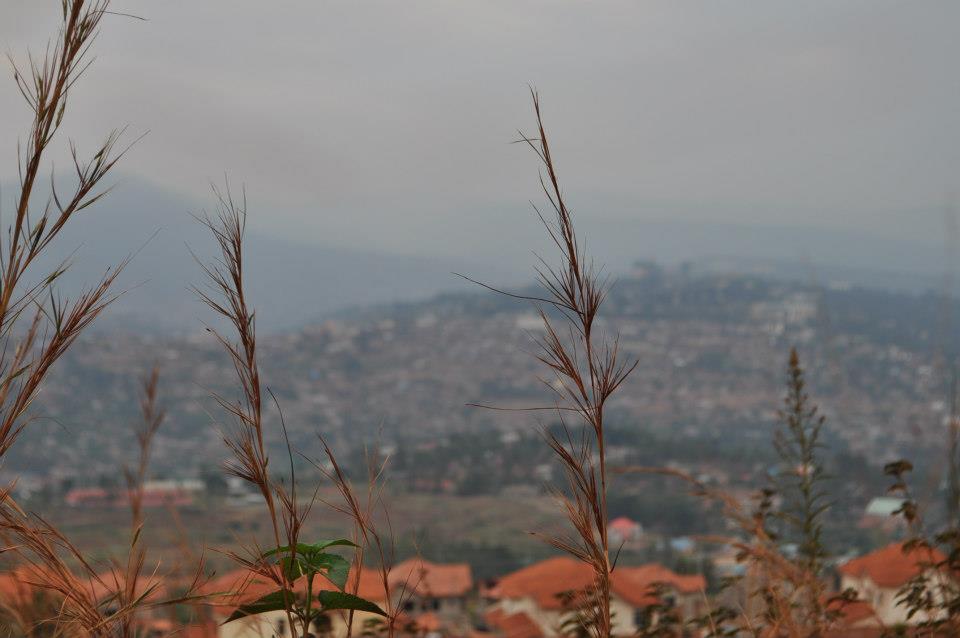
{"x":387,"y":124}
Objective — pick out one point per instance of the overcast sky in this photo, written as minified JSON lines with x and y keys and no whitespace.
{"x":387,"y":124}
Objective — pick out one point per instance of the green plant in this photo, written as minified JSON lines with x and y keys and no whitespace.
{"x":800,"y":485}
{"x":800,"y":481}
{"x":308,"y":561}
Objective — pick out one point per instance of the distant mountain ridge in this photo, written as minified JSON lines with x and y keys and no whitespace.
{"x":302,"y":281}
{"x":292,"y":282}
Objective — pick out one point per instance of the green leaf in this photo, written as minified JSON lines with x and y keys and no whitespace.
{"x":337,"y":568}
{"x":273,"y":601}
{"x":293,"y":568}
{"x":319,"y":546}
{"x":301,"y":549}
{"x":342,"y":600}
{"x":307,"y":548}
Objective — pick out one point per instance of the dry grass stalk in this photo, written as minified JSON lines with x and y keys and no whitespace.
{"x":152,"y":415}
{"x":362,"y":511}
{"x":50,"y":324}
{"x":38,"y":326}
{"x":246,"y":440}
{"x":587,"y":371}
{"x":227,"y":297}
{"x":92,"y":602}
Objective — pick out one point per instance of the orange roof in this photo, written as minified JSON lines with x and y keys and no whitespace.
{"x":494,"y":616}
{"x":646,"y":577}
{"x":623,"y":524}
{"x":890,"y":566}
{"x":546,"y":580}
{"x":518,"y":625}
{"x":851,"y":612}
{"x":370,"y":585}
{"x":432,"y":579}
{"x":16,"y":587}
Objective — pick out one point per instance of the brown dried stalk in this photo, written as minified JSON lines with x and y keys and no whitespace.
{"x":51,"y":323}
{"x":38,"y":326}
{"x":587,"y":371}
{"x":246,"y":439}
{"x":153,"y":416}
{"x":367,"y":533}
{"x":91,"y":602}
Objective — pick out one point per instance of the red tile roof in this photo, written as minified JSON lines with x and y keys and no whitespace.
{"x":546,"y":580}
{"x":432,"y":579}
{"x":638,"y":585}
{"x":851,"y":612}
{"x":890,"y":566}
{"x":16,"y":587}
{"x":623,"y":524}
{"x":518,"y":625}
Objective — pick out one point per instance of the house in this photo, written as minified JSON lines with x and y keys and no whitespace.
{"x":537,"y":594}
{"x":622,"y":531}
{"x":422,"y":587}
{"x":683,"y":592}
{"x":878,"y":576}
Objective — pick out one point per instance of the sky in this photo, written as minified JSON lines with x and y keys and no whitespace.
{"x":388,"y":125}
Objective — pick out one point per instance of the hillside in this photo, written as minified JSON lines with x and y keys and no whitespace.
{"x":711,"y":350}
